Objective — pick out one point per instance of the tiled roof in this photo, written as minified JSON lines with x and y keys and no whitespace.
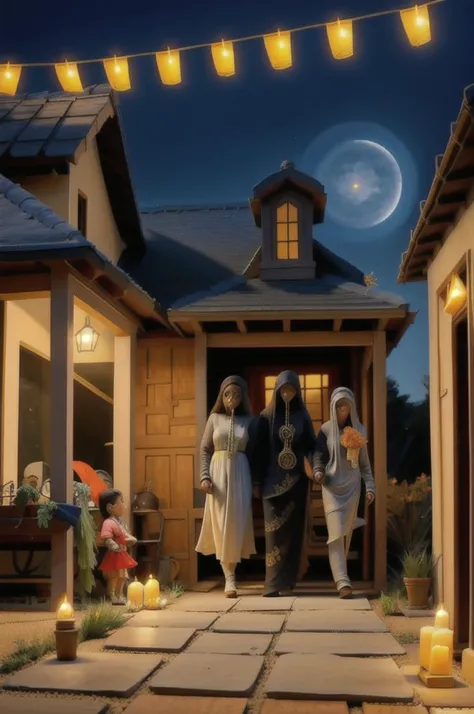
{"x":191,"y":249}
{"x":53,"y":125}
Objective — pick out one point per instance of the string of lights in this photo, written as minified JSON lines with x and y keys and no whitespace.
{"x":278,"y":46}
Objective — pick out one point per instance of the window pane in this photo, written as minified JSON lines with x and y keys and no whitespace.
{"x":325,"y":380}
{"x":317,"y":426}
{"x":282,"y":232}
{"x":282,"y":213}
{"x":293,"y":231}
{"x":293,"y":251}
{"x":325,"y":404}
{"x":313,"y":381}
{"x":292,"y":213}
{"x":270,"y":382}
{"x":268,"y":396}
{"x":314,"y":411}
{"x":313,"y":396}
{"x":282,"y":251}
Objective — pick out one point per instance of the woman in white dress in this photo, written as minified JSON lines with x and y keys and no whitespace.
{"x":227,"y":527}
{"x":341,"y":472}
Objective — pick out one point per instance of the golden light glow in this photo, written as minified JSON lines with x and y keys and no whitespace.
{"x":278,"y":47}
{"x":416,"y":23}
{"x":117,"y":73}
{"x":65,"y":610}
{"x":9,"y":78}
{"x":169,"y":66}
{"x":341,"y":40}
{"x":68,"y":76}
{"x":223,"y":58}
{"x":457,"y":296}
{"x":355,"y":186}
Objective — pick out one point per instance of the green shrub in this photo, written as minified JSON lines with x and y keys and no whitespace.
{"x":406,"y":638}
{"x":389,"y":603}
{"x":100,"y":620}
{"x":418,"y":565}
{"x":26,"y":653}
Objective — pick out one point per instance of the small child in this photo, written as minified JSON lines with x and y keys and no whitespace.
{"x":116,"y":536}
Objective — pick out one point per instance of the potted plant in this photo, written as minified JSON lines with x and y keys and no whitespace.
{"x":417,"y":572}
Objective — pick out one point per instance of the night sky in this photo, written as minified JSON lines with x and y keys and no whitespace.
{"x":211,"y":139}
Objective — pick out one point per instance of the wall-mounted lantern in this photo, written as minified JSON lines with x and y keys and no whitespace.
{"x":87,"y":337}
{"x":456,"y":296}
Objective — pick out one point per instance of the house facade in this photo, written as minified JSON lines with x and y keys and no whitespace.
{"x":181,"y":297}
{"x":440,"y":252}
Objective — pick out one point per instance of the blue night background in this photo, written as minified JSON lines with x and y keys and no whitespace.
{"x":210,"y":139}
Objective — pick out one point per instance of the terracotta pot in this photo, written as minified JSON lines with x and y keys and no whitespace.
{"x":417,"y":591}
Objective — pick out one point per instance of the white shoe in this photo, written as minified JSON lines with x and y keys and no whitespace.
{"x":122,"y":599}
{"x":230,"y":589}
{"x":114,"y":600}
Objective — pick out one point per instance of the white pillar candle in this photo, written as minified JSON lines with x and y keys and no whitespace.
{"x":152,"y":593}
{"x":444,"y":637}
{"x":440,"y":661}
{"x":135,"y":595}
{"x":426,"y":633}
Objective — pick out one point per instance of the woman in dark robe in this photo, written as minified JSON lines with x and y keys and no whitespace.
{"x":286,"y":437}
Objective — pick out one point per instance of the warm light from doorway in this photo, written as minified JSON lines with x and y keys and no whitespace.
{"x":87,"y":337}
{"x":457,"y":296}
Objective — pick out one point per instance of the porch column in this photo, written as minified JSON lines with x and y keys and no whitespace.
{"x":124,"y":419}
{"x":365,"y":416}
{"x":380,"y":458}
{"x":62,"y":427}
{"x":200,"y":377}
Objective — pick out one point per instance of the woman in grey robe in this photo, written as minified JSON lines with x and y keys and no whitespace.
{"x":341,"y":477}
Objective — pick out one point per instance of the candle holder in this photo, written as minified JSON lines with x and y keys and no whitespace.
{"x":66,"y":633}
{"x":436,"y":681}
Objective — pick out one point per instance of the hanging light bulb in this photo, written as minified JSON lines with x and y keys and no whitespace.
{"x":169,"y":66}
{"x":68,"y":76}
{"x":456,"y":297}
{"x":9,"y":78}
{"x":341,"y":39}
{"x":223,"y":58}
{"x":117,"y":73}
{"x":416,"y":23}
{"x":278,"y":47}
{"x":87,"y":337}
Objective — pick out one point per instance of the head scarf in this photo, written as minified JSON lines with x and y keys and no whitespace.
{"x":277,"y":405}
{"x":244,"y":406}
{"x":337,"y":395}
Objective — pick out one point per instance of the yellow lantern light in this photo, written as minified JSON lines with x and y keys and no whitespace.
{"x":169,"y":66}
{"x":65,"y":610}
{"x":87,"y":338}
{"x":341,"y":39}
{"x":416,"y":23}
{"x":457,"y":296}
{"x":68,"y":76}
{"x":117,"y":73}
{"x":9,"y":78}
{"x":223,"y":58}
{"x":278,"y":47}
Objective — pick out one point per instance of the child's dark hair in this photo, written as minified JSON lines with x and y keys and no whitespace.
{"x":108,"y":498}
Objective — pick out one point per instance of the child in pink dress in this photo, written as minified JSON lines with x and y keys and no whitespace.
{"x":116,"y":537}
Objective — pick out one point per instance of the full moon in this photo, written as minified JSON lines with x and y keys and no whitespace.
{"x":363,"y":183}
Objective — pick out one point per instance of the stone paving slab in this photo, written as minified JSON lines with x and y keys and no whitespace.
{"x":289,"y":706}
{"x":355,"y":644}
{"x":224,"y":643}
{"x":170,"y":618}
{"x":209,"y":602}
{"x":249,"y":622}
{"x":150,"y":639}
{"x":393,"y":709}
{"x":106,"y":673}
{"x":40,"y":704}
{"x":208,"y":675}
{"x":255,"y":603}
{"x":408,"y":612}
{"x":330,"y":621}
{"x":437,"y":710}
{"x":304,"y":603}
{"x":328,"y":677}
{"x":462,"y":695}
{"x":165,"y":704}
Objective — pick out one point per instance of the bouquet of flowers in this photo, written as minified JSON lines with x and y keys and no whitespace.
{"x":352,"y":440}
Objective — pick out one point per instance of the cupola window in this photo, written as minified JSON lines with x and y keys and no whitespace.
{"x":287,"y":232}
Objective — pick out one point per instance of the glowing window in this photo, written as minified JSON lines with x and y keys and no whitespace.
{"x":315,"y":391}
{"x":287,"y":232}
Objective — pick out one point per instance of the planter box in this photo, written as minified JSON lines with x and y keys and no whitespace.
{"x":18,"y":525}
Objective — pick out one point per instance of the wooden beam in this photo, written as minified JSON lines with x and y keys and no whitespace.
{"x":286,"y":325}
{"x":95,"y":302}
{"x":2,"y":387}
{"x":365,"y":415}
{"x":290,"y":339}
{"x":25,"y":286}
{"x":197,"y":327}
{"x":241,"y":325}
{"x":337,"y":324}
{"x":200,"y":380}
{"x":380,"y":459}
{"x":124,"y":417}
{"x":62,"y":427}
{"x":270,"y":315}
{"x":470,"y":347}
{"x":382,"y":324}
{"x":461,"y":174}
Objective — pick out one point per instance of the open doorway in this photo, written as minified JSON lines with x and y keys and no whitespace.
{"x":461,"y":476}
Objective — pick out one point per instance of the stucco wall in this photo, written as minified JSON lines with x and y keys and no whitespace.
{"x":87,"y":177}
{"x":51,"y":189}
{"x":459,"y":242}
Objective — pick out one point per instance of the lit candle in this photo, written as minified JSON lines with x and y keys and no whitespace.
{"x":445,"y":638}
{"x":442,"y":618}
{"x":440,"y":661}
{"x":135,"y":595}
{"x":65,"y":611}
{"x":426,"y":634}
{"x":152,"y":593}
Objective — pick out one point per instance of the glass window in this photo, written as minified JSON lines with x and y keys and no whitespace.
{"x":287,"y":232}
{"x":315,"y":391}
